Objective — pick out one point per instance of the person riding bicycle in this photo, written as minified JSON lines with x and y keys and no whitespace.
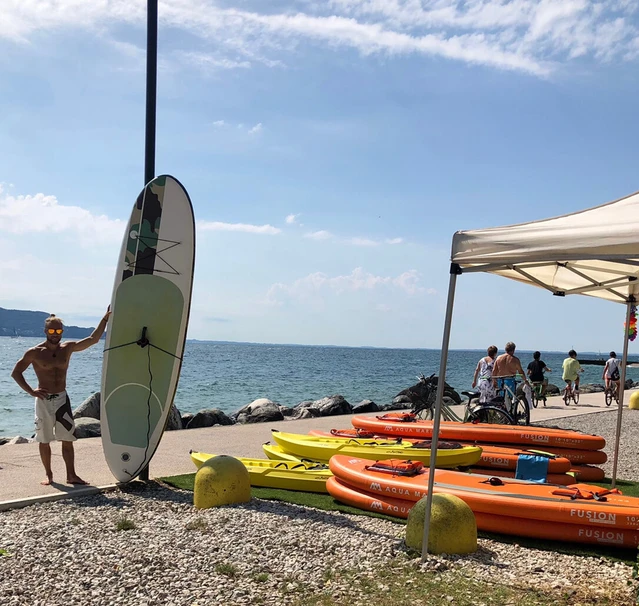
{"x":507,"y":366}
{"x":536,"y":370}
{"x":484,"y":372}
{"x":571,"y":370}
{"x":611,"y":371}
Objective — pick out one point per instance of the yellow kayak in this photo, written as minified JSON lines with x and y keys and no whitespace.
{"x":289,"y":475}
{"x":320,"y":448}
{"x":276,"y":453}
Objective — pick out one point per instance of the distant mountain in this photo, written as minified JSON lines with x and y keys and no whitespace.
{"x":19,"y":323}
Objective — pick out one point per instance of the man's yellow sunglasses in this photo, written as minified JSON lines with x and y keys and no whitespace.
{"x":55,"y":331}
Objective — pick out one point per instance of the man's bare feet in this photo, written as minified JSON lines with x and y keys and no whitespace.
{"x":76,"y":480}
{"x":48,"y":481}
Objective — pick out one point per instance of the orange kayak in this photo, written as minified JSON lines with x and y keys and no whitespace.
{"x":399,"y":424}
{"x":575,"y":504}
{"x":492,"y":457}
{"x":498,"y":524}
{"x":587,"y":473}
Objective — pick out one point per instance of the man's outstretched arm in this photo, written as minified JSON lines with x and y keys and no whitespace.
{"x":94,"y":337}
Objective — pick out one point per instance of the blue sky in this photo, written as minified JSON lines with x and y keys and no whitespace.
{"x":331,"y":149}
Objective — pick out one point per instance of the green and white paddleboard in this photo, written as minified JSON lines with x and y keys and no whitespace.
{"x":147,"y":329}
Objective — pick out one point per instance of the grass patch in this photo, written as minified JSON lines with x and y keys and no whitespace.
{"x":327,"y":503}
{"x":402,"y":583}
{"x":4,"y":552}
{"x":227,"y":569}
{"x":125,"y":523}
{"x":306,"y":499}
{"x":261,"y":577}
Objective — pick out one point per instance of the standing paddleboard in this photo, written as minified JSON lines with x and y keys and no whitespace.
{"x":147,"y":329}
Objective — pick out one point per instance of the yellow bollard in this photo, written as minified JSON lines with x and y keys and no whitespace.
{"x":633,"y":402}
{"x":453,"y":528}
{"x":221,"y":480}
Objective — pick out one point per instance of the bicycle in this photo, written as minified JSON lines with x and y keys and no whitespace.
{"x":538,"y":394}
{"x":612,"y":392}
{"x":518,"y":407}
{"x":474,"y":412}
{"x":570,"y":394}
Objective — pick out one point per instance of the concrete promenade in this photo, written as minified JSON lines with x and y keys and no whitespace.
{"x":21,"y":470}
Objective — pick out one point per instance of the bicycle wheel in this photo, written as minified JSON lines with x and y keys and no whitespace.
{"x":424,"y":414}
{"x":575,"y":397}
{"x":535,"y":399}
{"x":520,"y":412}
{"x":608,"y":397}
{"x":566,"y":397}
{"x":490,"y":414}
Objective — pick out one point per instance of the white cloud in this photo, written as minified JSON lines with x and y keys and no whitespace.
{"x":43,"y":214}
{"x":208,"y":62}
{"x":358,"y":280}
{"x":319,"y":235}
{"x":238,"y":227}
{"x":362,"y":242}
{"x":292,"y":219}
{"x":219,"y":123}
{"x":524,"y":35}
{"x":255,"y":130}
{"x":394,"y":240}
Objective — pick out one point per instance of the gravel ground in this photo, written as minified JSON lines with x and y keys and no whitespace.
{"x":605,"y":424}
{"x":74,"y":552}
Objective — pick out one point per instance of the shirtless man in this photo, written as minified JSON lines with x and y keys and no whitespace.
{"x":506,"y":367}
{"x":53,"y":416}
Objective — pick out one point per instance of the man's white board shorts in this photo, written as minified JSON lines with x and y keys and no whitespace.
{"x":54,"y":419}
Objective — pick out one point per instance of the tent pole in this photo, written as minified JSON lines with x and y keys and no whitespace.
{"x":455,"y":270}
{"x":622,"y":388}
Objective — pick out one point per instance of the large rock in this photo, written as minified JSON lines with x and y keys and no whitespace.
{"x":186,"y":419}
{"x":261,"y":410}
{"x":422,"y":394}
{"x":365,"y":406}
{"x":175,"y":419}
{"x":332,"y":405}
{"x":87,"y":427}
{"x":305,"y":413}
{"x":18,"y":440}
{"x":89,"y":408}
{"x":591,"y":388}
{"x":209,"y":418}
{"x":552,"y":390}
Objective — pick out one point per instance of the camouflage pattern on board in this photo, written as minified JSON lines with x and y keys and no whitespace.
{"x":144,"y":229}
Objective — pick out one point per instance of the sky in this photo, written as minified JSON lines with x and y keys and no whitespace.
{"x":330,"y":148}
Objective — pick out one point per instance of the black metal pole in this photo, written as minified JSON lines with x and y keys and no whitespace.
{"x":151,"y":104}
{"x":151,"y":88}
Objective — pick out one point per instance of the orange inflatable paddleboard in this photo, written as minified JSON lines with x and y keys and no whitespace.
{"x":498,"y":524}
{"x":405,"y":425}
{"x":584,"y":504}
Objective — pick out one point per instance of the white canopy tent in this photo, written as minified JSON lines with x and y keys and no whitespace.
{"x":594,"y":252}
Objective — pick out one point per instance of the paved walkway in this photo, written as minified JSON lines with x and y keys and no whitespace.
{"x":21,"y":470}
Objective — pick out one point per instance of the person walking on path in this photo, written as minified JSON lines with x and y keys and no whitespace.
{"x":507,"y":366}
{"x":483,"y":378}
{"x":53,"y":416}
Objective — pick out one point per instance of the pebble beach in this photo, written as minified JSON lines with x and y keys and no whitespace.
{"x":147,"y":545}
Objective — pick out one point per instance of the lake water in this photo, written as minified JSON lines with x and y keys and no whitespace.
{"x":230,"y":375}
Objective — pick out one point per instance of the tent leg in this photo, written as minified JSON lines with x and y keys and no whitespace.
{"x":622,"y":388}
{"x":438,"y":406}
